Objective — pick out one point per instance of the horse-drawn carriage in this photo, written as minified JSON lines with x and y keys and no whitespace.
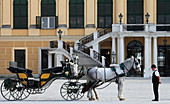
{"x":25,"y":84}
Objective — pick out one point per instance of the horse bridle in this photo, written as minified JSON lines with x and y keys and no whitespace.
{"x":131,"y":67}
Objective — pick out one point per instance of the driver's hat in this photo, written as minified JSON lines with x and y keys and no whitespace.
{"x":153,"y":66}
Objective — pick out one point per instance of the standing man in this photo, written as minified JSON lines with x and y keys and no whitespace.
{"x":156,"y":81}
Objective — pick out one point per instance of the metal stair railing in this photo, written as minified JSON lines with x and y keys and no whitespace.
{"x":83,"y":48}
{"x":86,"y":39}
{"x":104,"y":31}
{"x":53,"y":44}
{"x":66,"y":46}
{"x":98,"y":56}
{"x":90,"y":37}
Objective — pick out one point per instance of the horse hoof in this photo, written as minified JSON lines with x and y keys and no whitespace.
{"x":97,"y":98}
{"x":91,"y":99}
{"x":122,"y":99}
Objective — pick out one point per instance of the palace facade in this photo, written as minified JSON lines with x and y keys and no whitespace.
{"x":27,"y":27}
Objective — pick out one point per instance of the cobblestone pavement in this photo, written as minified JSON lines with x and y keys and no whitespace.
{"x":136,"y":91}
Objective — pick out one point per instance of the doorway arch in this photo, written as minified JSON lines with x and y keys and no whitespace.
{"x":135,"y":48}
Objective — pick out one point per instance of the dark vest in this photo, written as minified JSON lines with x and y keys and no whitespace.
{"x":155,"y":78}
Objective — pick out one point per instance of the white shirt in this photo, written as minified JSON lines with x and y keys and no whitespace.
{"x":156,"y":72}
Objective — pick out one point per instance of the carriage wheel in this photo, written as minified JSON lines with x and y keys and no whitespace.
{"x":10,"y":93}
{"x":79,"y":94}
{"x":24,"y":95}
{"x":71,"y":91}
{"x":20,"y":91}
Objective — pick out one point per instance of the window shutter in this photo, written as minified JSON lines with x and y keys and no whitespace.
{"x":56,"y":22}
{"x":38,"y":22}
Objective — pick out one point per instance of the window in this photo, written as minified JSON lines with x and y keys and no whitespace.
{"x":105,"y":13}
{"x":48,"y":8}
{"x":44,"y":59}
{"x":20,"y":58}
{"x":76,"y":14}
{"x":135,"y":11}
{"x":20,"y":14}
{"x":163,"y":11}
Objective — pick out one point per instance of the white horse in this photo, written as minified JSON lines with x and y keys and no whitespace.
{"x":116,"y":73}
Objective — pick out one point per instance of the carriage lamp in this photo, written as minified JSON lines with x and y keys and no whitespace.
{"x":120,"y":17}
{"x":113,"y":56}
{"x":165,"y":41}
{"x":59,"y":32}
{"x":67,"y":72}
{"x":147,"y":17}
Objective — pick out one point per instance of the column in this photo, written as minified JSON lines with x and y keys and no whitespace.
{"x":55,"y":60}
{"x":155,"y":51}
{"x":60,"y":44}
{"x":33,"y":12}
{"x":58,"y":58}
{"x":96,"y":47}
{"x":6,"y":17}
{"x":114,"y":47}
{"x":120,"y":45}
{"x":90,"y":17}
{"x":121,"y":51}
{"x":147,"y":69}
{"x":150,"y":54}
{"x":118,"y":50}
{"x":49,"y":60}
{"x":76,"y":45}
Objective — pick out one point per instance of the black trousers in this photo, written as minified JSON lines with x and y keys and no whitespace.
{"x":155,"y":90}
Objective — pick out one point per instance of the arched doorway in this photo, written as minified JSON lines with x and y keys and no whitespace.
{"x":135,"y":48}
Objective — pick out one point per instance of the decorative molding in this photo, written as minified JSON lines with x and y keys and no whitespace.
{"x":62,"y":26}
{"x":32,"y":26}
{"x":90,"y":26}
{"x":6,"y":26}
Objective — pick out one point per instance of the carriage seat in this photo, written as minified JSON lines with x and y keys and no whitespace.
{"x":20,"y":70}
{"x":53,"y":69}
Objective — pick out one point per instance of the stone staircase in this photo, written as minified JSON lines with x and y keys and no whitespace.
{"x":82,"y":48}
{"x":88,"y":56}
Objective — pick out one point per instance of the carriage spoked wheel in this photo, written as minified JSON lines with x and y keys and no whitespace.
{"x":24,"y":95}
{"x":71,"y":91}
{"x":9,"y":90}
{"x":20,"y":91}
{"x":13,"y":90}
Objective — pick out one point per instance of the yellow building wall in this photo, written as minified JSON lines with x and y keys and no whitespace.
{"x":7,"y":53}
{"x":62,"y":11}
{"x":20,"y":32}
{"x":50,"y":32}
{"x":76,"y":31}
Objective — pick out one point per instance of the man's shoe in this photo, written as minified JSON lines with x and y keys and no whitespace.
{"x":155,"y":100}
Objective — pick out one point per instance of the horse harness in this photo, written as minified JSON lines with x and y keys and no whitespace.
{"x":122,"y":67}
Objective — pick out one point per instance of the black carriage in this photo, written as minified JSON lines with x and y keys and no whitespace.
{"x":24,"y":84}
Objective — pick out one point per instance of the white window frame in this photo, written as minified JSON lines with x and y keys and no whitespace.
{"x":48,"y":23}
{"x":26,"y":54}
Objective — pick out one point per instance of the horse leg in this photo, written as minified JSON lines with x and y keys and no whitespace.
{"x":95,"y":94}
{"x":120,"y":88}
{"x":92,"y":87}
{"x":90,"y":94}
